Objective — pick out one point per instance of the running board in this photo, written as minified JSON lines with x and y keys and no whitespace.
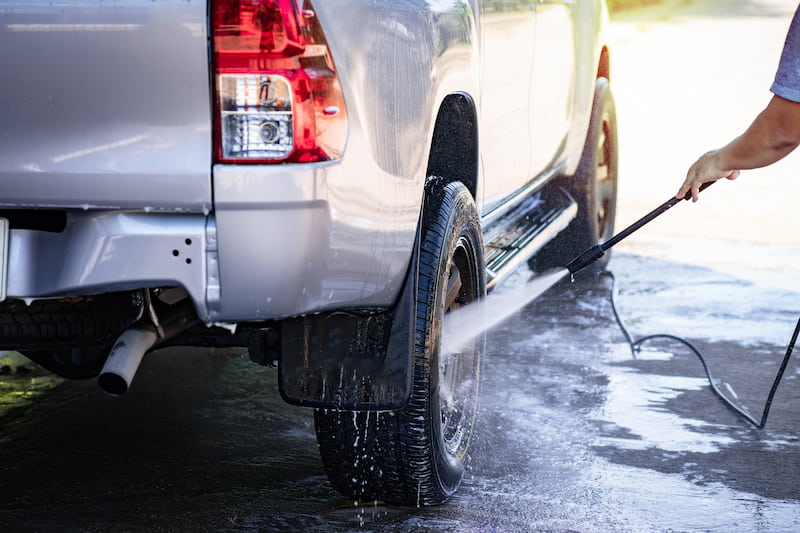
{"x":516,"y":237}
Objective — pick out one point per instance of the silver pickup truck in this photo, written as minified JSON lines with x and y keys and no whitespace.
{"x":319,"y":183}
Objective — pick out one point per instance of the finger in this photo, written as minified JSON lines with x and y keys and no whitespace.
{"x":681,"y":194}
{"x":695,"y":191}
{"x":733,"y":175}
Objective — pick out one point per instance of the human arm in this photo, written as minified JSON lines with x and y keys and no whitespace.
{"x":773,"y":134}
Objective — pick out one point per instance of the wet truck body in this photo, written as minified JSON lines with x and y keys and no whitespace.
{"x":266,"y":174}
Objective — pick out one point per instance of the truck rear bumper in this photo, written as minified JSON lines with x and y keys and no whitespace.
{"x":279,"y":244}
{"x":110,"y":251}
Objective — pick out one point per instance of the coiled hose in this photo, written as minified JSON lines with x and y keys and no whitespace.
{"x":635,"y":346}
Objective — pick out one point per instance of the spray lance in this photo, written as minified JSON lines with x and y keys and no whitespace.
{"x":597,"y":251}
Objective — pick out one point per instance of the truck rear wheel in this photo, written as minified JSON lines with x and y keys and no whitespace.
{"x":417,"y":456}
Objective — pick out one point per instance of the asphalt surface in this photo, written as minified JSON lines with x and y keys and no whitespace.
{"x":575,"y":433}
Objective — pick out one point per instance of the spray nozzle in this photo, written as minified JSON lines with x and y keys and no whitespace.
{"x":586,"y":258}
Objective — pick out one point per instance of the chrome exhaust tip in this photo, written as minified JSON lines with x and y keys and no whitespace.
{"x":123,"y":361}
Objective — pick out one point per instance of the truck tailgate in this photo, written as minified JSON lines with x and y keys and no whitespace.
{"x":105,"y":104}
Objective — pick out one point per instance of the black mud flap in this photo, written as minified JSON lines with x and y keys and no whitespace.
{"x":351,"y":360}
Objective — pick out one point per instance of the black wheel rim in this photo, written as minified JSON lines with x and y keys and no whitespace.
{"x":457,"y":387}
{"x":606,"y":181}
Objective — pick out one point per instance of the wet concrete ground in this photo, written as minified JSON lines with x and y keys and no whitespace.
{"x":574,"y":433}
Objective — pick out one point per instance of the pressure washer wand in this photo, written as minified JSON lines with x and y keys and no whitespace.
{"x":598,"y":250}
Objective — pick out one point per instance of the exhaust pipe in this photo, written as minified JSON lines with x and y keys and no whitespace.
{"x":125,"y":357}
{"x":129,"y":349}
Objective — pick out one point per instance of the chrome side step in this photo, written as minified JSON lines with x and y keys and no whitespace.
{"x":517,"y":236}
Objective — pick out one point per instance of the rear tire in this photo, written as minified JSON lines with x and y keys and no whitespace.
{"x":68,"y":322}
{"x":594,"y":187}
{"x":70,"y":337}
{"x":417,"y":456}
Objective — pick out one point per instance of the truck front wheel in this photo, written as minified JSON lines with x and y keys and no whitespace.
{"x":594,"y":187}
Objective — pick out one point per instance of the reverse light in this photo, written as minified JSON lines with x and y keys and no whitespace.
{"x":256,"y":116}
{"x":277,"y":96}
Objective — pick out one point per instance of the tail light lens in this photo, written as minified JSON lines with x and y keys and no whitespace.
{"x":277,"y":96}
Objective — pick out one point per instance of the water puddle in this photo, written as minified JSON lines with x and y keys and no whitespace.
{"x":638,"y":403}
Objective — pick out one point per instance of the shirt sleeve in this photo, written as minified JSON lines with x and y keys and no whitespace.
{"x":787,"y":79}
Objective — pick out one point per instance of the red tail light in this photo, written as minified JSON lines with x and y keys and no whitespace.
{"x":277,"y":96}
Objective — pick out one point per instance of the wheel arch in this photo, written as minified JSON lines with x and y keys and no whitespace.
{"x":454,"y":144}
{"x":604,"y":64}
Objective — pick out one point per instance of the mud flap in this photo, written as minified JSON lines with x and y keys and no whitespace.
{"x":351,"y":360}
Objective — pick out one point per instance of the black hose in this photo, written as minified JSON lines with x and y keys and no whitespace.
{"x":636,"y":344}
